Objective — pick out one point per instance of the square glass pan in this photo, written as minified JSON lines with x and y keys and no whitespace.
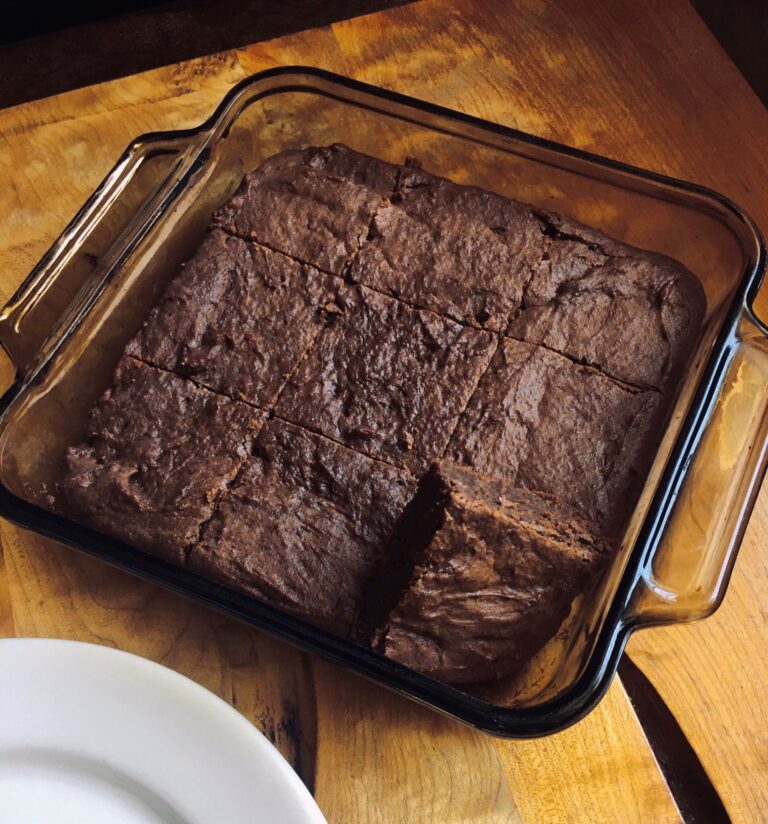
{"x":66,"y":326}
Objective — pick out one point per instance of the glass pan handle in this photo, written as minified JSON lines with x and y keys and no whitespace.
{"x":78,"y":257}
{"x":688,"y":574}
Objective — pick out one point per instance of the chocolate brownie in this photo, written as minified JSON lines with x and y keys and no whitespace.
{"x":634,"y":315}
{"x":237,"y":319}
{"x":544,"y":423}
{"x":491,"y":261}
{"x":494,"y":571}
{"x":305,"y":525}
{"x":158,"y":452}
{"x":315,"y":205}
{"x":388,"y":380}
{"x":458,"y":250}
{"x":385,"y":318}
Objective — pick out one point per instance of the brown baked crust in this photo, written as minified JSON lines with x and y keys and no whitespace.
{"x":237,"y":319}
{"x":388,"y":380}
{"x":314,"y":205}
{"x":157,"y":453}
{"x":493,"y":580}
{"x":494,"y":262}
{"x":539,"y":421}
{"x":458,"y":250}
{"x":633,"y":315}
{"x":515,"y":341}
{"x":305,"y":525}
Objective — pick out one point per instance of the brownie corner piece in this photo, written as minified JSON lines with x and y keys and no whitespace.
{"x":305,"y":526}
{"x":632,"y":314}
{"x":237,"y":319}
{"x":157,"y":453}
{"x":314,"y":204}
{"x":494,"y":570}
{"x":388,"y":380}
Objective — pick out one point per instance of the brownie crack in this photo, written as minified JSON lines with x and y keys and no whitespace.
{"x":190,"y":379}
{"x":171,"y":446}
{"x":470,"y":396}
{"x":359,"y":452}
{"x":221,"y":494}
{"x":370,"y":233}
{"x":620,"y":451}
{"x":343,"y":279}
{"x":662,"y":328}
{"x":228,"y":230}
{"x":217,"y":499}
{"x":550,"y":230}
{"x":632,"y":388}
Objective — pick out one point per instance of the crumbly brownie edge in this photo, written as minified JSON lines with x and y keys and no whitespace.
{"x":420,"y":520}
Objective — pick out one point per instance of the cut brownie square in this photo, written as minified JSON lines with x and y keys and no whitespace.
{"x":494,"y":570}
{"x":458,"y":250}
{"x":158,"y":452}
{"x":315,"y":205}
{"x":634,"y":315}
{"x":544,"y":423}
{"x":237,"y":319}
{"x":387,"y":380}
{"x":305,"y":526}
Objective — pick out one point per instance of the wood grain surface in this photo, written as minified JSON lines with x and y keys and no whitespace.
{"x":645,"y":83}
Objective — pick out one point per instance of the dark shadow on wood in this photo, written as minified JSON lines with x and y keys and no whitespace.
{"x":740,"y":27}
{"x":153,"y":36}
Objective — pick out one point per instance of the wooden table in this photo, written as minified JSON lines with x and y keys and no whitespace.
{"x":642,"y":82}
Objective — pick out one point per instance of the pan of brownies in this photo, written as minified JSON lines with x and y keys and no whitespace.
{"x":433,"y":398}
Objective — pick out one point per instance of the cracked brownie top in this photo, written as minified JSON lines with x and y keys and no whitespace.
{"x":158,"y":453}
{"x":315,"y":205}
{"x":305,"y":526}
{"x":380,"y":319}
{"x":238,"y":319}
{"x":387,"y":380}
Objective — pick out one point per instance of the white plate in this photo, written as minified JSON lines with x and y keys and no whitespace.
{"x":90,"y":734}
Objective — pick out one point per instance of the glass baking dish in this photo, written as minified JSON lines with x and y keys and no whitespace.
{"x":65,"y":327}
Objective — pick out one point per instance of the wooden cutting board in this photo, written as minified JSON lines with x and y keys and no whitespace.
{"x":645,"y":83}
